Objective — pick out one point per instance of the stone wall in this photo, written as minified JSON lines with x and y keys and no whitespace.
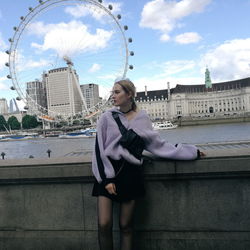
{"x":196,"y":205}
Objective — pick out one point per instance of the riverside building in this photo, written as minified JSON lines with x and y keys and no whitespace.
{"x":36,"y":96}
{"x":222,"y":99}
{"x":63,"y":92}
{"x":91,"y":94}
{"x":3,"y":106}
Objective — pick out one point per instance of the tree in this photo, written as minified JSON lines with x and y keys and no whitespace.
{"x":3,"y":123}
{"x":13,"y":123}
{"x":29,"y":121}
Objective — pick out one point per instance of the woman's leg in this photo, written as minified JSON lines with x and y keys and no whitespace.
{"x":105,"y":223}
{"x":126,"y":224}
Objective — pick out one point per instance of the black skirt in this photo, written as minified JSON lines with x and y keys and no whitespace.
{"x":129,"y":182}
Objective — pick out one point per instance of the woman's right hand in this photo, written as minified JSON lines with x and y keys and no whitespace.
{"x":111,"y":188}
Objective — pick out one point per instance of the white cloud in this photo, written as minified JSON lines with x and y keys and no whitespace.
{"x":164,"y":15}
{"x":3,"y":44}
{"x":82,"y":10}
{"x":170,"y":68}
{"x":3,"y":85}
{"x":164,"y":38}
{"x":188,"y":37}
{"x":3,"y":59}
{"x":30,"y":64}
{"x":95,"y":67}
{"x":71,"y":38}
{"x":175,"y":72}
{"x":228,"y":61}
{"x":156,"y":82}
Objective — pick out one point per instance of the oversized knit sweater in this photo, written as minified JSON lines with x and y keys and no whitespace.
{"x":108,"y":136}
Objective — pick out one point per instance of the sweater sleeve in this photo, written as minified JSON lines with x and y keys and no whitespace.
{"x":163,"y":149}
{"x":101,"y":166}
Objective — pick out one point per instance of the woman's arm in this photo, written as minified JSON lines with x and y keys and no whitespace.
{"x":101,"y":166}
{"x":163,"y":149}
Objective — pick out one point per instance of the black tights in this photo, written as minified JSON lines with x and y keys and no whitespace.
{"x":105,"y":223}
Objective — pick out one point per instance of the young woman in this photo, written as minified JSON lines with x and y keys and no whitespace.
{"x":117,"y":171}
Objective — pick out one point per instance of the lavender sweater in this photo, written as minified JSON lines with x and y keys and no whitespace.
{"x":108,"y":136}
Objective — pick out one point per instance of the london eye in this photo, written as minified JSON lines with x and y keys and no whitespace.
{"x":84,"y":38}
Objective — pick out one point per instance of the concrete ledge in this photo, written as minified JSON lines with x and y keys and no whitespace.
{"x":191,"y":205}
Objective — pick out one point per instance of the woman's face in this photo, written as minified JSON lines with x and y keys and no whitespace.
{"x":119,"y":96}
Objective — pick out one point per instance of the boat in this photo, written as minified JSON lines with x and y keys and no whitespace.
{"x":164,"y":125}
{"x":18,"y":137}
{"x":86,"y":133}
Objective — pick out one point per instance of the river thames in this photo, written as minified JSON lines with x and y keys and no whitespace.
{"x":62,"y":147}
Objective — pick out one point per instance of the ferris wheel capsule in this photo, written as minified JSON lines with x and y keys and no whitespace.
{"x":7,"y":52}
{"x":119,"y":16}
{"x":12,"y":88}
{"x":132,"y":53}
{"x":110,"y":6}
{"x":7,"y":64}
{"x":131,"y":66}
{"x":9,"y":77}
{"x":18,"y":98}
{"x":30,"y":9}
{"x":130,"y":40}
{"x":15,"y":28}
{"x":125,"y":27}
{"x":100,"y":1}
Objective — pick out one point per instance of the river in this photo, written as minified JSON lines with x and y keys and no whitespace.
{"x":63,"y":147}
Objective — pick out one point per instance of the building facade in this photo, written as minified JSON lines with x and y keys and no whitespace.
{"x":63,"y":92}
{"x":91,"y":94}
{"x":13,"y":106}
{"x":36,"y":96}
{"x":3,"y":106}
{"x":189,"y":101}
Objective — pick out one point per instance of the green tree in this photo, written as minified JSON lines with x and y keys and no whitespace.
{"x":3,"y":123}
{"x":13,"y":123}
{"x":29,"y":121}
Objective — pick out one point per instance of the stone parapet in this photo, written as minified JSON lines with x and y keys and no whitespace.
{"x":198,"y":205}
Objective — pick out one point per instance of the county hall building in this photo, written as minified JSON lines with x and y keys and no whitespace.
{"x":222,"y":99}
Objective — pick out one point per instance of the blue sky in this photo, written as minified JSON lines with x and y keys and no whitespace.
{"x":173,"y":41}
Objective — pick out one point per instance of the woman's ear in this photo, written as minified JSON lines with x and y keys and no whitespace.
{"x":130,"y":94}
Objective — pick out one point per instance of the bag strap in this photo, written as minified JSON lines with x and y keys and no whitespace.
{"x":122,"y":129}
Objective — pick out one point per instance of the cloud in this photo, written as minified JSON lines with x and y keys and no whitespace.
{"x":71,"y":38}
{"x":228,"y":61}
{"x":3,"y":85}
{"x":30,"y":64}
{"x":156,"y":82}
{"x":172,"y":67}
{"x":82,"y":10}
{"x":174,"y":71}
{"x":3,"y":59}
{"x":95,"y":67}
{"x":164,"y":15}
{"x":188,"y":37}
{"x":3,"y":45}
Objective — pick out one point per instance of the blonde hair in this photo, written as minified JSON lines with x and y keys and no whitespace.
{"x":129,"y":88}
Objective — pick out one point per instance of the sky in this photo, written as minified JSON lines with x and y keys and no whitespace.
{"x":173,"y":41}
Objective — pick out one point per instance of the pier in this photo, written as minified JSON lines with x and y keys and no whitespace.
{"x":196,"y":205}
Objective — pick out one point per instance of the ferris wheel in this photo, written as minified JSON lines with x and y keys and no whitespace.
{"x":61,"y":44}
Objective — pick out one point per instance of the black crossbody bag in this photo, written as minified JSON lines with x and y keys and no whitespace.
{"x":130,"y":139}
